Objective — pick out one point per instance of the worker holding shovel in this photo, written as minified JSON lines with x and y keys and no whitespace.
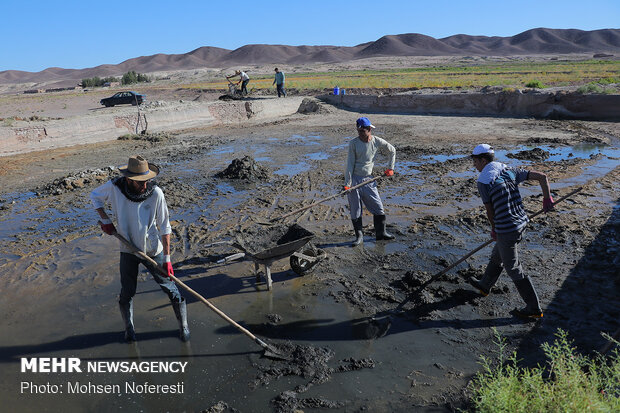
{"x":142,"y":218}
{"x":360,"y":162}
{"x":498,"y":188}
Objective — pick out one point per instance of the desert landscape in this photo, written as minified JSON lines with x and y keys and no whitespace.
{"x":360,"y":335}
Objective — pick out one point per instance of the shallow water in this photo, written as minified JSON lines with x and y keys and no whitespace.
{"x":76,"y":283}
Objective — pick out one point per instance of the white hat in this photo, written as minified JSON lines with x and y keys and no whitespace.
{"x":483,"y":148}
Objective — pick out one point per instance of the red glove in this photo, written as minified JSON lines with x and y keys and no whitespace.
{"x":493,"y":235}
{"x":548,"y":204}
{"x":168,"y":266}
{"x":389,"y":172}
{"x":346,"y":188}
{"x":107,"y":226}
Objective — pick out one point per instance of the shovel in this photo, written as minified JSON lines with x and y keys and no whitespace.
{"x":320,"y":201}
{"x":269,"y":351}
{"x":398,"y":309}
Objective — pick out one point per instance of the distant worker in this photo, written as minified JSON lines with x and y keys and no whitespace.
{"x":279,"y":82}
{"x":243,"y":79}
{"x":142,"y":218}
{"x":498,"y":188}
{"x":360,"y":162}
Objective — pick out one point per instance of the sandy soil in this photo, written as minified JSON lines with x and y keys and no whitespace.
{"x":59,"y":274}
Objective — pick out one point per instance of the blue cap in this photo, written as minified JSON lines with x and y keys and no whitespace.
{"x":364,"y":123}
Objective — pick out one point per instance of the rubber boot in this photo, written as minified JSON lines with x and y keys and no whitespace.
{"x":127,"y":314}
{"x":180,"y":310}
{"x":488,"y":280}
{"x":380,"y":232}
{"x":532,"y":308}
{"x":359,"y":233}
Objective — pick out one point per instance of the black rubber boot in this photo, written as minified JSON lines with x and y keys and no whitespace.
{"x":532,"y":308}
{"x":127,"y":314}
{"x":484,"y":284}
{"x":180,"y":310}
{"x":380,"y":232}
{"x":359,"y":233}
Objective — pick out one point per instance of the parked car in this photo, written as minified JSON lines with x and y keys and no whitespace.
{"x":120,"y":98}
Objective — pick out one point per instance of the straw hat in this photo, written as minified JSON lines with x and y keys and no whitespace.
{"x":139,"y":169}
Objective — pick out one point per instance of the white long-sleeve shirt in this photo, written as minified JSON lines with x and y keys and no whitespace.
{"x":361,"y":158}
{"x":138,"y":222}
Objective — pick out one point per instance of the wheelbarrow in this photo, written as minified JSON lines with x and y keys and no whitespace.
{"x":302,"y":257}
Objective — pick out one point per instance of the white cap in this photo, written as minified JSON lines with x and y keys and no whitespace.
{"x":482,"y":148}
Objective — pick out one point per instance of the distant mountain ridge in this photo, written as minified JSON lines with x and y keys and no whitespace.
{"x":534,"y":41}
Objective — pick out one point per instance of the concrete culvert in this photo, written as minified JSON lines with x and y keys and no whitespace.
{"x":245,"y":168}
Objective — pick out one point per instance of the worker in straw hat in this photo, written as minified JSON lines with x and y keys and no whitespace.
{"x":142,"y":218}
{"x":360,"y":162}
{"x":499,"y":190}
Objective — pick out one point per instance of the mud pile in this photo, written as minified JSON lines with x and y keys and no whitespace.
{"x":245,"y":168}
{"x":262,"y":237}
{"x":535,"y":154}
{"x":308,"y":362}
{"x":77,"y":181}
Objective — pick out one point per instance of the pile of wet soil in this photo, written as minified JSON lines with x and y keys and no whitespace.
{"x":148,"y":137}
{"x":308,"y":362}
{"x":77,"y":181}
{"x":535,"y":154}
{"x":261,"y":237}
{"x":245,"y":168}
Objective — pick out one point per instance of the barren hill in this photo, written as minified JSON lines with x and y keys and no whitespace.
{"x":530,"y":42}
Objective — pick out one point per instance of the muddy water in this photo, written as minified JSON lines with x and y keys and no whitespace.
{"x":59,"y":280}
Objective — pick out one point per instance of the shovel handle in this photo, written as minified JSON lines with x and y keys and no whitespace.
{"x":151,"y":261}
{"x":472,"y":252}
{"x":320,"y":201}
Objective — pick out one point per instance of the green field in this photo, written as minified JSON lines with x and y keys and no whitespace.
{"x":515,"y":75}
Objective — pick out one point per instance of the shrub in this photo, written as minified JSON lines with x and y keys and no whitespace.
{"x":570,"y":383}
{"x":535,"y":84}
{"x":590,"y":88}
{"x":97,"y":81}
{"x":133,"y":77}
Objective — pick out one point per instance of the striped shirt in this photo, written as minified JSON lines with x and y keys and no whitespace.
{"x":503,"y":194}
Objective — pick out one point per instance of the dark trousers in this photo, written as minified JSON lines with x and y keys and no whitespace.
{"x":280,"y":88}
{"x":129,"y":278}
{"x":244,"y":85}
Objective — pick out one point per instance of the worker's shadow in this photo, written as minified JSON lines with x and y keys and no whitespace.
{"x":79,"y":342}
{"x":379,"y":325}
{"x":221,"y":284}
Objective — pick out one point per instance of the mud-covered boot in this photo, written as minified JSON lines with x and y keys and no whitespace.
{"x":532,"y":310}
{"x":488,"y":280}
{"x":359,"y":233}
{"x":127,"y":314}
{"x":180,"y":310}
{"x":380,"y":232}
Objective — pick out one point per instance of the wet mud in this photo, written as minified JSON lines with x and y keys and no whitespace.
{"x":360,"y":339}
{"x":245,"y":168}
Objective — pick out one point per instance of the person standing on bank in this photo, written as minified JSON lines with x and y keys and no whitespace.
{"x":279,"y":82}
{"x":244,"y":79}
{"x":498,"y":188}
{"x":360,"y":162}
{"x":142,"y":218}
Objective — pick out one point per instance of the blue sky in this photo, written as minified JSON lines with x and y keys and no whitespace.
{"x":35,"y":35}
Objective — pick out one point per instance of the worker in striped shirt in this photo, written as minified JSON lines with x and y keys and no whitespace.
{"x":499,"y":190}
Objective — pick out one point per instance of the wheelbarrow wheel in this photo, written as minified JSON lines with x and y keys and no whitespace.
{"x":302,"y":266}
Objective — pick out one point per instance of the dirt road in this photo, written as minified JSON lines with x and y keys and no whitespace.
{"x":59,"y":274}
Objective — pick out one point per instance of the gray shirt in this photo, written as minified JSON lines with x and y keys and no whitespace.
{"x":361,"y":158}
